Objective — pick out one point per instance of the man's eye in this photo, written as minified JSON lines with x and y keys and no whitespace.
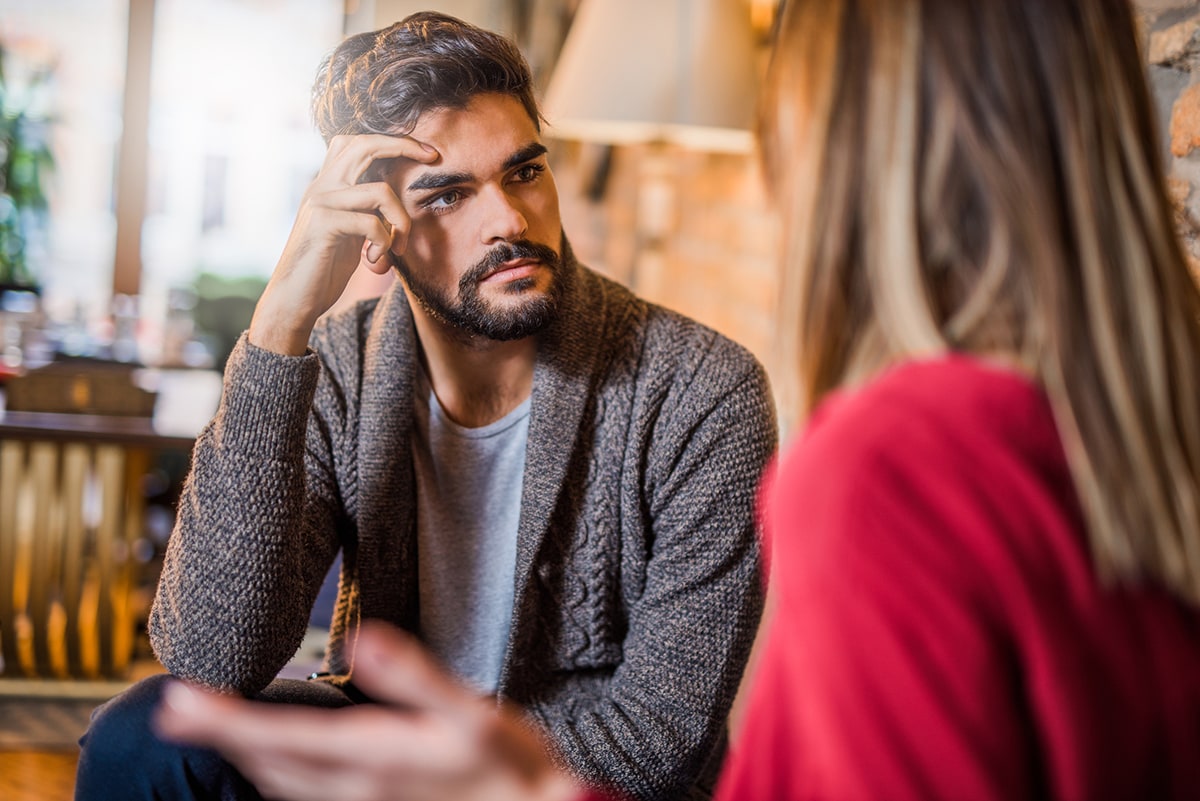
{"x":444,"y":201}
{"x":529,"y":172}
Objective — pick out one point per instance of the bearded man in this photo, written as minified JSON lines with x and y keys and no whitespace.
{"x":548,"y":480}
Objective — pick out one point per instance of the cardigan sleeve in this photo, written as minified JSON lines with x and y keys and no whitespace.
{"x":255,"y":529}
{"x":658,"y":722}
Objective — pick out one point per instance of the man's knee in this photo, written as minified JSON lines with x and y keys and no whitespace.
{"x":120,"y":752}
{"x":121,"y":727}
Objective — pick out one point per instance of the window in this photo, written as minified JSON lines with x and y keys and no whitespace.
{"x":229,"y":132}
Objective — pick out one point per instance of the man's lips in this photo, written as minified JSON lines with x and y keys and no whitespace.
{"x":513,"y":270}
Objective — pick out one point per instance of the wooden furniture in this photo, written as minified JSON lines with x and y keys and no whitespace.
{"x":71,"y":511}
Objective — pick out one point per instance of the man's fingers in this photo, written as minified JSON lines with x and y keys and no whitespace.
{"x":371,"y":198}
{"x":380,"y":219}
{"x":376,"y":234}
{"x":380,"y":257}
{"x":346,"y":161}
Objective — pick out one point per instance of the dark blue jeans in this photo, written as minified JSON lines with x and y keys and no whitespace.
{"x":122,"y":758}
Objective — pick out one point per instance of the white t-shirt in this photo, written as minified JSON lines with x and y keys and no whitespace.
{"x":468,"y":508}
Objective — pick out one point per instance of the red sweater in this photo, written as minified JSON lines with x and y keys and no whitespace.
{"x":938,"y":629}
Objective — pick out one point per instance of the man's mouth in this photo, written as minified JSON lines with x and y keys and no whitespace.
{"x":512,"y":270}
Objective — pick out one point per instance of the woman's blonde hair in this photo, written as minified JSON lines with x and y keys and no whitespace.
{"x":985,"y":177}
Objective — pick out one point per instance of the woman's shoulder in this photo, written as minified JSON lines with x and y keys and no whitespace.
{"x":932,"y":450}
{"x":921,"y":409}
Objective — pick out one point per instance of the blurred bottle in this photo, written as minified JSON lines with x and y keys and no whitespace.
{"x":124,"y":346}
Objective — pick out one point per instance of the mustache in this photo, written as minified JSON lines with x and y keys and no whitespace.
{"x":508,"y":251}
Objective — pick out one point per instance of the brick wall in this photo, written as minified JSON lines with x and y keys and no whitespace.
{"x":686,"y":229}
{"x":709,"y":247}
{"x":1171,"y":37}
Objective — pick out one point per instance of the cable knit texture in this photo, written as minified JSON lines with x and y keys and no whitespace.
{"x":637,"y":590}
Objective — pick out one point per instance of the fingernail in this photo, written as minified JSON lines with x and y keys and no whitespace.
{"x":374,"y":252}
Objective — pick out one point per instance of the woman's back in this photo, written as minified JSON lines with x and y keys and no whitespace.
{"x":939,"y":630}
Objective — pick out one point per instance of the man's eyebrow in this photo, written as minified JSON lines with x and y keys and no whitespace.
{"x":442,"y":180}
{"x":528,"y":153}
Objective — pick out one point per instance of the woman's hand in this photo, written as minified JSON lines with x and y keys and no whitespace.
{"x":427,"y":737}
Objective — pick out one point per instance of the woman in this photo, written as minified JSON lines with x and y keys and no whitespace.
{"x":985,"y":546}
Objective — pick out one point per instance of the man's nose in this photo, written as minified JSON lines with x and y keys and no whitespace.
{"x":503,"y":220}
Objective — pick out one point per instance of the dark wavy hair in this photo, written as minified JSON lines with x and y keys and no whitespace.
{"x":382,"y":81}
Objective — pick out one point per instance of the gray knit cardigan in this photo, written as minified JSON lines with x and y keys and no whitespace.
{"x":637,"y":589}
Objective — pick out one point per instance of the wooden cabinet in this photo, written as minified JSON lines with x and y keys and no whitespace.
{"x":71,"y":511}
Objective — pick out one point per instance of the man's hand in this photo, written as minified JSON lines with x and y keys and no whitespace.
{"x":340,"y":223}
{"x":426,"y":738}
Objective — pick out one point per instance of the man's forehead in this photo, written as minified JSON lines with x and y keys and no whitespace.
{"x":487,"y":117}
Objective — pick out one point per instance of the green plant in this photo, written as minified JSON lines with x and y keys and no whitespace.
{"x":25,"y":160}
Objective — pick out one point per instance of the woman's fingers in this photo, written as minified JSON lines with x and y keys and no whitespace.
{"x":427,"y":738}
{"x":230,"y":723}
{"x":302,"y":753}
{"x":392,"y":667}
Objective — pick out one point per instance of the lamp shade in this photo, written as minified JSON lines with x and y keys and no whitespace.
{"x":681,"y":71}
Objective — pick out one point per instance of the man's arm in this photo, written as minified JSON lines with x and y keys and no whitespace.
{"x":342,"y":224}
{"x":650,"y":728}
{"x":256,"y":527}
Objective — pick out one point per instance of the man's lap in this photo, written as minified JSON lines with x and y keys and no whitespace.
{"x":122,"y":757}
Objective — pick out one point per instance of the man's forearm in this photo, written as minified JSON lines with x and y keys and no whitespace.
{"x":231,"y":604}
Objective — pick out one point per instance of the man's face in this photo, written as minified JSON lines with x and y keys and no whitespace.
{"x":484,"y":250}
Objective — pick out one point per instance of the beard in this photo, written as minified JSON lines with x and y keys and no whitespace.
{"x":474,"y":315}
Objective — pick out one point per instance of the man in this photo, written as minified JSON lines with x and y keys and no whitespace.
{"x":547,"y":479}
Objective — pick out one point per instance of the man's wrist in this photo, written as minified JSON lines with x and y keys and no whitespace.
{"x":284,"y":339}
